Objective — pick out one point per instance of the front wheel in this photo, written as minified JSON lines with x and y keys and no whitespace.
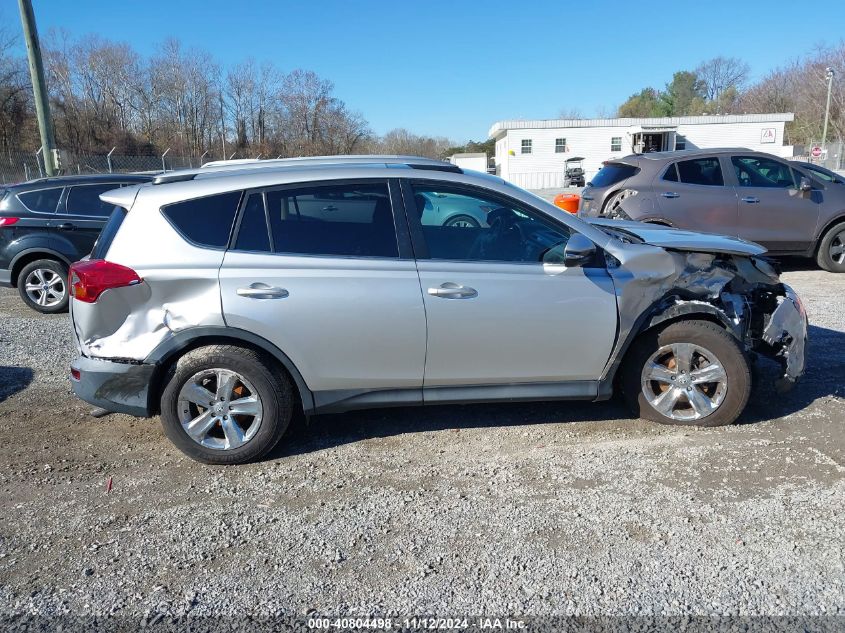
{"x":226,"y":405}
{"x":463,"y":221}
{"x":690,"y":373}
{"x":42,"y":285}
{"x":831,"y":254}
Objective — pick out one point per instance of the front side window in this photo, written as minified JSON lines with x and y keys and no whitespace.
{"x":616,"y":144}
{"x":85,"y":200}
{"x":205,"y":221}
{"x":752,"y":171}
{"x":701,"y":171}
{"x":560,"y":145}
{"x":526,"y":146}
{"x":42,"y":200}
{"x":346,"y":220}
{"x":491,"y":230}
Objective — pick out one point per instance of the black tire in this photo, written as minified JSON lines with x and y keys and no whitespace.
{"x":833,"y":239}
{"x":271,"y":384}
{"x":49,"y":267}
{"x":707,"y":335}
{"x":455,"y":219}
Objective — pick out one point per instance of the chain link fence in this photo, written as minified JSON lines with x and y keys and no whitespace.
{"x":19,"y":166}
{"x":831,"y":155}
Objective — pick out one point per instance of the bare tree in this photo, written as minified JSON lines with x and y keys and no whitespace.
{"x":722,"y":73}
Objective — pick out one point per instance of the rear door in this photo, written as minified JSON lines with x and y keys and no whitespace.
{"x":772,"y":209}
{"x":692,"y":194}
{"x":82,"y":215}
{"x":336,"y":290}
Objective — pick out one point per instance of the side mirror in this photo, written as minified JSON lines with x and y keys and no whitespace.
{"x":578,"y":251}
{"x":806,"y":185}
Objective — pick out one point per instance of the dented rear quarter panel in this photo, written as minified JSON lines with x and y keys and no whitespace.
{"x":179,"y":289}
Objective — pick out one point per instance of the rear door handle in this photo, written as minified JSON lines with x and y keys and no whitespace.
{"x":751,"y":199}
{"x":66,"y":226}
{"x":451,"y":290}
{"x":670,"y":194}
{"x":262,"y":291}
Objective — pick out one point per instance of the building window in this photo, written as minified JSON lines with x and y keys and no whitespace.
{"x":680,"y":142}
{"x":616,"y":144}
{"x":560,"y":145}
{"x":526,"y":146}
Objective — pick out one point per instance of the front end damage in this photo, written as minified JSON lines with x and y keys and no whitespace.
{"x":741,"y":291}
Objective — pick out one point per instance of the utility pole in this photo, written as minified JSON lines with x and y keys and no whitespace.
{"x":829,"y":74}
{"x":39,"y":86}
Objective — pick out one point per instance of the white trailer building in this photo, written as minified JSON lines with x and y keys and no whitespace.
{"x":532,"y":154}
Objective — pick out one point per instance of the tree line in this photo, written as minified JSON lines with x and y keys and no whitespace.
{"x":723,"y":85}
{"x":104,"y":95}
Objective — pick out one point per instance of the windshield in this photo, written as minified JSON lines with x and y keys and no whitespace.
{"x":613,"y":173}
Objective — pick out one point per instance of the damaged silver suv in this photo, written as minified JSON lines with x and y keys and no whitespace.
{"x":227,"y":301}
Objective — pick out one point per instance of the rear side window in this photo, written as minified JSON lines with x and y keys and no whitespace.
{"x":106,"y":237}
{"x":349,"y":220}
{"x":85,"y":200}
{"x":42,"y":200}
{"x":205,"y":221}
{"x":612,"y":173}
{"x":701,"y":171}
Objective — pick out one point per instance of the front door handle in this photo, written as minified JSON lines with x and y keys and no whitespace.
{"x":262,"y":291}
{"x":66,"y":226}
{"x":751,"y":199}
{"x":451,"y":290}
{"x":670,"y":194}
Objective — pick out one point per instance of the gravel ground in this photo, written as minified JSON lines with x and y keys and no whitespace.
{"x":540,"y":509}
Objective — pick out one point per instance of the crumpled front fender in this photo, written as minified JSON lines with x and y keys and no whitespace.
{"x":786,"y":331}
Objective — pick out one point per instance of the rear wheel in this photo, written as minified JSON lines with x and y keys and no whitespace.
{"x":613,"y":206}
{"x":42,"y":285}
{"x":226,"y":405}
{"x":831,"y":255}
{"x":690,"y":372}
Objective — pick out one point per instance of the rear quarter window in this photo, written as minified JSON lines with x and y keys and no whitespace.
{"x":613,"y":173}
{"x":207,"y":221}
{"x":106,"y":237}
{"x":41,"y":200}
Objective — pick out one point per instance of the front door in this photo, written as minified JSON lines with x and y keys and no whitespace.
{"x":328,"y":287}
{"x":772,"y":209}
{"x":497,"y":315}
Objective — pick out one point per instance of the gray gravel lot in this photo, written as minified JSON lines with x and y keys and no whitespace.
{"x":551,"y":508}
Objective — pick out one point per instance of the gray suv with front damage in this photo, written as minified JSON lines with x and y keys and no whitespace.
{"x":785,"y":206}
{"x":227,"y":302}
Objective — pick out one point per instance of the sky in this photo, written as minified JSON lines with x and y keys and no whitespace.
{"x":452,"y":68}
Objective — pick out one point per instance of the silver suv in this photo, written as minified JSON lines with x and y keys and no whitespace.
{"x":227,"y":301}
{"x":785,"y":206}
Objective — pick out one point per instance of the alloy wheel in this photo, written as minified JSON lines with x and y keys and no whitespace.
{"x":837,"y":248}
{"x":219,"y":409}
{"x":45,"y":287}
{"x":684,"y":382}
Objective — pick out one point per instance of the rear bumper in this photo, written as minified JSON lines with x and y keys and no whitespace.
{"x":6,"y":278}
{"x":114,"y":386}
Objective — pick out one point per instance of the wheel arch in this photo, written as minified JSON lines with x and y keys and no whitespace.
{"x":30,"y":255}
{"x":663,"y":313}
{"x":169,"y":351}
{"x":827,"y":227}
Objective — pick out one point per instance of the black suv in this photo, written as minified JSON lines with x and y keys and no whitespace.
{"x":45,"y":226}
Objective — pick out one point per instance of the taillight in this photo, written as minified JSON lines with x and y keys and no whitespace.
{"x":88,"y":280}
{"x":75,"y":374}
{"x":8,"y":221}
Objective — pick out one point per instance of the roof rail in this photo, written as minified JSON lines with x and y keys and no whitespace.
{"x":415,"y":162}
